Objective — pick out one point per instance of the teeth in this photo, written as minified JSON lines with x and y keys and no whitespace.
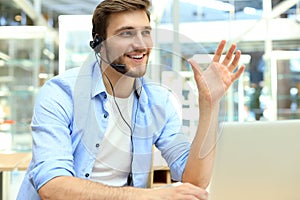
{"x":137,"y":56}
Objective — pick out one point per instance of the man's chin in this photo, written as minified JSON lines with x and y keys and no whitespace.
{"x":136,"y":73}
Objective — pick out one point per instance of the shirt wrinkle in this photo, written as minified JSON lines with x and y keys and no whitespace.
{"x":88,"y":131}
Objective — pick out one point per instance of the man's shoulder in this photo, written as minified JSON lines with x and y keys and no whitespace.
{"x":73,"y":75}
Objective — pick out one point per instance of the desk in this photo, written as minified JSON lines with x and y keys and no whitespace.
{"x":12,"y":161}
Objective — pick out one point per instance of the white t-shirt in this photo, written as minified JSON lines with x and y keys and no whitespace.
{"x":113,"y":163}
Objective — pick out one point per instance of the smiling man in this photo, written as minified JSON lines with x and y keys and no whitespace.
{"x":93,"y":127}
{"x":129,"y":37}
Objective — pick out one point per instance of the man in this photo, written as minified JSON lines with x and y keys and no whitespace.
{"x":93,"y":128}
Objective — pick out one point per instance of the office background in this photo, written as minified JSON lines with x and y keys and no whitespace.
{"x":41,"y":38}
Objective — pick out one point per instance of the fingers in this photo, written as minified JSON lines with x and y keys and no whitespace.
{"x":179,"y":192}
{"x":226,"y":69}
{"x":235,"y":61}
{"x":196,"y":69}
{"x":236,"y":75}
{"x":194,"y":191}
{"x":219,"y":51}
{"x":234,"y":65}
{"x":229,"y":55}
{"x":189,"y":191}
{"x":193,"y":64}
{"x":228,"y":58}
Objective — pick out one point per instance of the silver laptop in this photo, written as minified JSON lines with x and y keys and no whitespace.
{"x":257,"y":161}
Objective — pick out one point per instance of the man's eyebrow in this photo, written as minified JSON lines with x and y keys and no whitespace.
{"x":131,"y":28}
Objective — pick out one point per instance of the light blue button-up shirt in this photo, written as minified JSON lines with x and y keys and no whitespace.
{"x":70,"y":119}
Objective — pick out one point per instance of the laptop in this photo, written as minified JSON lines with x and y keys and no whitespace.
{"x":257,"y":161}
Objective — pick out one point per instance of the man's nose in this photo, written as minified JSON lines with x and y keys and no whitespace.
{"x":141,"y":41}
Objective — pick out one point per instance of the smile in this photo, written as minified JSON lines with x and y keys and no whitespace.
{"x":136,"y":57}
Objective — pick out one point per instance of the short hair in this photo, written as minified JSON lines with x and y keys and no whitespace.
{"x":107,"y":7}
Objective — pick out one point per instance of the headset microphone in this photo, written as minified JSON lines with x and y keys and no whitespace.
{"x":119,"y":67}
{"x":96,"y":45}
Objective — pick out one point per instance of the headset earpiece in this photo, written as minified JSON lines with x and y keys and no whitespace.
{"x":96,"y":42}
{"x":96,"y":45}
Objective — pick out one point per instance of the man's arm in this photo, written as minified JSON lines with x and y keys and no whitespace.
{"x":66,"y":187}
{"x":212,"y":85}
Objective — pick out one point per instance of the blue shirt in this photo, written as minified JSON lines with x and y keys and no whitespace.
{"x":70,"y":119}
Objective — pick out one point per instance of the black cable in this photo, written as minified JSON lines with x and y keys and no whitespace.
{"x":129,"y":178}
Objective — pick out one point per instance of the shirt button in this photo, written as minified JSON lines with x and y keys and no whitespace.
{"x":105,"y":115}
{"x":97,"y":145}
{"x":87,"y":175}
{"x":105,"y":96}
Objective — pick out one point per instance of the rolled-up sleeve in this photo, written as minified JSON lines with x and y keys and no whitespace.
{"x":51,"y":133}
{"x":172,"y":142}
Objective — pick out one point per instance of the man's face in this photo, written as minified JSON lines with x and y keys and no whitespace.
{"x":129,"y":41}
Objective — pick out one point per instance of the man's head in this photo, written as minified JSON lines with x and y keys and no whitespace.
{"x":123,"y":27}
{"x":106,"y":8}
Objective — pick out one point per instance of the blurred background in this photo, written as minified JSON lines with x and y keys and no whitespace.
{"x":42,"y":38}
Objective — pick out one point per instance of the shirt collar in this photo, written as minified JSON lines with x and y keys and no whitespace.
{"x":97,"y":80}
{"x":98,"y":86}
{"x":140,"y":90}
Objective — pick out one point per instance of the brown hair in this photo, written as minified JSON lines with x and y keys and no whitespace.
{"x":107,"y":7}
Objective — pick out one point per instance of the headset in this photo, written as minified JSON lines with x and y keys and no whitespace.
{"x":96,"y":45}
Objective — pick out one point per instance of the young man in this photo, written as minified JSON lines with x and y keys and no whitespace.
{"x":93,"y":127}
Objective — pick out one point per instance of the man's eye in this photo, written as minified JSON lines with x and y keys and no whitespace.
{"x":127,"y":33}
{"x":146,"y":32}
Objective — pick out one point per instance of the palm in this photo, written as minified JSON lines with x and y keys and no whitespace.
{"x":215,"y":81}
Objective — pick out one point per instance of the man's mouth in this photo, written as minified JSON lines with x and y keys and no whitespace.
{"x":137,"y":56}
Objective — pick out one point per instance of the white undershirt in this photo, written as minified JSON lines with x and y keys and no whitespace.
{"x":113,"y":162}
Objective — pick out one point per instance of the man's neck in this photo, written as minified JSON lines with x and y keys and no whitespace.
{"x":117,"y":84}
